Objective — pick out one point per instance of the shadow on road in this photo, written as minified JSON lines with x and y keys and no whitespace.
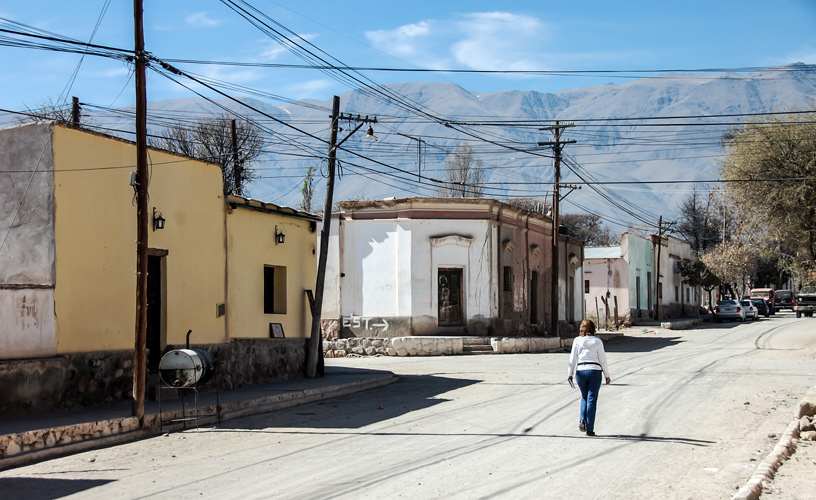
{"x":642,"y":344}
{"x":35,"y":488}
{"x":410,"y":393}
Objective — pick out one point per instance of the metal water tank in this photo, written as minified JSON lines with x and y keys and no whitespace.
{"x":186,"y":367}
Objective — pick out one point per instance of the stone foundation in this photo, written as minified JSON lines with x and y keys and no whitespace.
{"x":84,"y":380}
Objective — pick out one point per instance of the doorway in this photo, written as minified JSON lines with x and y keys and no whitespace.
{"x":155,"y":310}
{"x":449,"y":299}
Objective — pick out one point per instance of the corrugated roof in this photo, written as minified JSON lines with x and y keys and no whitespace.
{"x":602,"y":253}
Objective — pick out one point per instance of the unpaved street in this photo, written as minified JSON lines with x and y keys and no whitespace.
{"x":689,"y":415}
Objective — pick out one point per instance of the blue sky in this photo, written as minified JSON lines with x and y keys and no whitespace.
{"x":473,"y":35}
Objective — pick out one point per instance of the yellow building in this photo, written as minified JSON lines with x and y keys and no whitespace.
{"x":225,"y":269}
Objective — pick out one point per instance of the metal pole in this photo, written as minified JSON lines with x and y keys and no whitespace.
{"x":139,"y":358}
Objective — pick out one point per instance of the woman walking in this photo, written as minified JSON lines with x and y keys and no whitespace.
{"x":587,"y":362}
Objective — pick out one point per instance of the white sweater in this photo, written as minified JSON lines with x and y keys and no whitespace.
{"x":587,"y":354}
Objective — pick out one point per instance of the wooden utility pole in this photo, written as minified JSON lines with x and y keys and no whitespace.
{"x":557,"y":145}
{"x":139,"y":358}
{"x":658,"y":286}
{"x":315,"y":354}
{"x":315,"y":347}
{"x":236,"y":165}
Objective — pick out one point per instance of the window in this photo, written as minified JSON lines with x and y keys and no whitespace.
{"x":586,"y":286}
{"x":274,"y":293}
{"x":508,"y":279}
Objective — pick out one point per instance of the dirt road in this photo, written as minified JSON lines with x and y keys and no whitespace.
{"x":688,"y":416}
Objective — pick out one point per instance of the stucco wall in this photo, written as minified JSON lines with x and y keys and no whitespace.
{"x":251,"y":247}
{"x":95,"y":237}
{"x":27,"y":255}
{"x":607,"y":276}
{"x":638,"y":253}
{"x":389,"y":254}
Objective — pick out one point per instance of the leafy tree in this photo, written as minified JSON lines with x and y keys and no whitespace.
{"x":210,"y":139}
{"x":588,"y":228}
{"x":699,"y":224}
{"x":308,"y":190}
{"x":464,"y":174}
{"x":762,"y":156}
{"x":695,"y":273}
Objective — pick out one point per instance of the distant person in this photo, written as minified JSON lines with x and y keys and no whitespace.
{"x":587,"y":362}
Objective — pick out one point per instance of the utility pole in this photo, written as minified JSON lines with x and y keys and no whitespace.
{"x":236,"y":165}
{"x":315,"y":354}
{"x":139,"y":358}
{"x":557,"y":145}
{"x":75,"y":111}
{"x":657,"y":267}
{"x":658,"y":285}
{"x":419,"y":153}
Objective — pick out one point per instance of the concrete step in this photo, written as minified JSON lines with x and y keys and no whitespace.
{"x":477,"y":349}
{"x":476,"y":341}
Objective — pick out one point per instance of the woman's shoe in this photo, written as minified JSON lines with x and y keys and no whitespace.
{"x":590,"y":433}
{"x":582,"y":426}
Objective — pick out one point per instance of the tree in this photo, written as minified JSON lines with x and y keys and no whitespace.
{"x":695,"y":273}
{"x":762,"y":156}
{"x":588,"y":228}
{"x":699,"y":224}
{"x":464,"y":174}
{"x":48,"y":110}
{"x":734,"y":264}
{"x":210,"y":139}
{"x":308,"y":190}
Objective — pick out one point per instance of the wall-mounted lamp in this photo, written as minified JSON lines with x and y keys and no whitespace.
{"x":370,"y":134}
{"x":279,"y":236}
{"x":158,"y":220}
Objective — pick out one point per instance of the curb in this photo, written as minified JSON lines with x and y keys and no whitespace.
{"x":784,"y":449}
{"x":210,"y":414}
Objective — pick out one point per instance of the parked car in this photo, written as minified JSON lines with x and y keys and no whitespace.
{"x":729,"y":310}
{"x":805,"y":303}
{"x":783,"y":299}
{"x":762,"y":306}
{"x":766,"y":294}
{"x":750,"y":309}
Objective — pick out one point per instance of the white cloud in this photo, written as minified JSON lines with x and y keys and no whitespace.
{"x":201,"y":20}
{"x":311,"y":89}
{"x":500,"y":40}
{"x":270,"y":50}
{"x":404,"y":41}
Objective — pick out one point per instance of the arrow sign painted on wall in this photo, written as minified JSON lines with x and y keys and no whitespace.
{"x":384,"y":324}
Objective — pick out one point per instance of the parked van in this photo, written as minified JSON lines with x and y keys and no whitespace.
{"x":766,"y":294}
{"x":784,"y":299}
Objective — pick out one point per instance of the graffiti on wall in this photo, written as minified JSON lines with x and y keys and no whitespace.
{"x":365,"y":323}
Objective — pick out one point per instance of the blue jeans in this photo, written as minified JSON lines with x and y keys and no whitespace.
{"x":589,"y":381}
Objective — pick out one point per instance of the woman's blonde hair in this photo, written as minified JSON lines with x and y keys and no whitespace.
{"x":587,"y":328}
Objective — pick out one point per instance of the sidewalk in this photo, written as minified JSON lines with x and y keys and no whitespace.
{"x":33,"y":438}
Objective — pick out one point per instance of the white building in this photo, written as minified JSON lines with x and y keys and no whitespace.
{"x":428,"y":266}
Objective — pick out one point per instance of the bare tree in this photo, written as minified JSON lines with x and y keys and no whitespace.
{"x":210,"y":140}
{"x":47,"y":110}
{"x":464,"y":174}
{"x":699,"y":223}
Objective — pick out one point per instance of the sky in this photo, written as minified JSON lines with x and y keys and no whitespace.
{"x":605,"y":42}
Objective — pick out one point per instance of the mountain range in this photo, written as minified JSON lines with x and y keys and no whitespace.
{"x":627,"y":137}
